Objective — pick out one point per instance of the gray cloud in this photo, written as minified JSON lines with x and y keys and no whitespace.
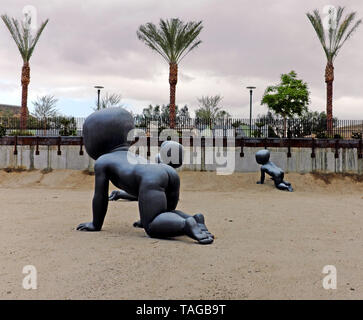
{"x":244,"y":43}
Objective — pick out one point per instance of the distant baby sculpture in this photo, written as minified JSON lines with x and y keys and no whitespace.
{"x":276,"y":173}
{"x":154,"y":185}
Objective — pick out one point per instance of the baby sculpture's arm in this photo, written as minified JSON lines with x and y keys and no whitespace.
{"x":100,"y":200}
{"x":121,"y":194}
{"x":262,"y":180}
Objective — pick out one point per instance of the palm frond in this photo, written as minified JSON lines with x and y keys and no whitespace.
{"x":14,"y":31}
{"x":22,"y":36}
{"x":35,"y":40}
{"x":345,"y":25}
{"x":333,"y":41}
{"x":173,"y":39}
{"x":317,"y":24}
{"x":192,"y":33}
{"x":149,"y":35}
{"x":338,"y":31}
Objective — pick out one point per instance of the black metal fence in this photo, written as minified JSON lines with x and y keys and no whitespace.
{"x":262,"y":128}
{"x":257,"y":128}
{"x":55,"y":126}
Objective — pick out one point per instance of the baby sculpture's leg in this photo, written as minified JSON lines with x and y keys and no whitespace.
{"x":281,"y":185}
{"x":199,"y":218}
{"x":159,"y":222}
{"x":284,"y":185}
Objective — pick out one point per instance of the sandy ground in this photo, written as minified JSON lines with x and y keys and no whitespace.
{"x":269,"y":244}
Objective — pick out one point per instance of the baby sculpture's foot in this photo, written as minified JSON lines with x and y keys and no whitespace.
{"x":201,"y":222}
{"x":114,"y":196}
{"x":138,"y":224}
{"x":283,"y":186}
{"x":193,"y":230}
{"x":87,"y":226}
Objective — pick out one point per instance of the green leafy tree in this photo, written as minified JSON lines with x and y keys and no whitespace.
{"x":151,"y":112}
{"x":209,"y":109}
{"x":161,"y":114}
{"x":67,"y":126}
{"x":184,"y":113}
{"x":26,"y":42}
{"x":173,"y":40}
{"x":288,"y":98}
{"x":272,"y":121}
{"x":311,"y":123}
{"x":339,"y":30}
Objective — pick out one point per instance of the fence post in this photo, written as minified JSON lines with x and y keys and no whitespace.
{"x":242,"y":154}
{"x":59,"y":152}
{"x":336,"y":154}
{"x":81,"y":148}
{"x":312,"y":148}
{"x":15,"y":145}
{"x":288,"y":147}
{"x":37,"y":146}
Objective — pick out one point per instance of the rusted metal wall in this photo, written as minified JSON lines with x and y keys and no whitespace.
{"x":293,"y":155}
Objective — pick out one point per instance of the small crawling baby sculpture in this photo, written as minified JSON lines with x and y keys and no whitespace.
{"x":276,"y":173}
{"x":154,"y":185}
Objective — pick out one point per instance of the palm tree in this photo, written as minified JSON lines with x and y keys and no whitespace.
{"x":26,"y":43}
{"x":173,"y":40}
{"x":339,"y":30}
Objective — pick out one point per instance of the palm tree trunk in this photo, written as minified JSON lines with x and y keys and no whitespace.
{"x":173,"y":79}
{"x":329,"y":78}
{"x":25,"y":80}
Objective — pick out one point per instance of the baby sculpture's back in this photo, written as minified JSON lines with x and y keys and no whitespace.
{"x":272,"y":169}
{"x":127,"y":170}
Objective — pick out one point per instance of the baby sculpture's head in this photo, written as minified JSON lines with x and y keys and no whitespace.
{"x":171,"y":153}
{"x":105,"y":130}
{"x":262,"y":156}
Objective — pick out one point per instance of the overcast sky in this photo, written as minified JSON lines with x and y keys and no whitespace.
{"x":93,"y":42}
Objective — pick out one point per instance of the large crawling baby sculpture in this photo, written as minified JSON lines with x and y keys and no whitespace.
{"x":154,"y":185}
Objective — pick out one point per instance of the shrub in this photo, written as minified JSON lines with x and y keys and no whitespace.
{"x":357,"y":135}
{"x":321,"y":135}
{"x":2,"y":131}
{"x":257,"y":133}
{"x":21,"y":133}
{"x":68,"y":126}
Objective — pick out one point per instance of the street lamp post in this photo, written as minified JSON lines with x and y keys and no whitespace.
{"x":98,"y":96}
{"x":251,"y":91}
